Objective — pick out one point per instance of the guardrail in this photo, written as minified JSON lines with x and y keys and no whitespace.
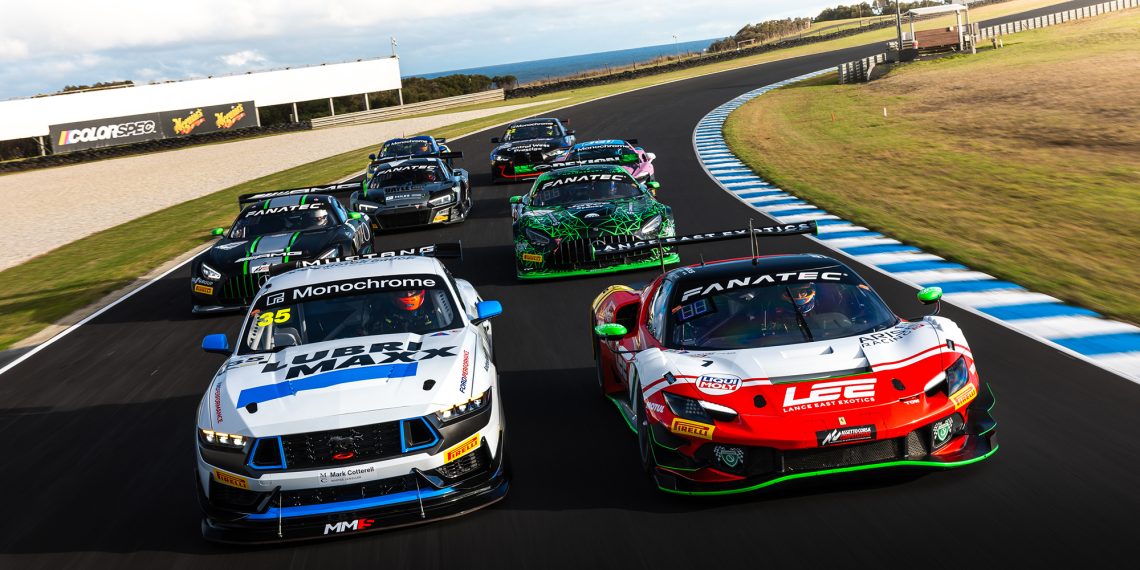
{"x":387,"y":113}
{"x":860,"y":69}
{"x":1057,"y":18}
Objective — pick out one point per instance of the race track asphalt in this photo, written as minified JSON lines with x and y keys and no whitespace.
{"x":98,"y":428}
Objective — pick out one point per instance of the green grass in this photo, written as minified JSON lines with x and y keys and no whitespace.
{"x":1023,"y":162}
{"x":46,"y":288}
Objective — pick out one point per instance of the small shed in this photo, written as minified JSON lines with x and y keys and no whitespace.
{"x":941,"y":38}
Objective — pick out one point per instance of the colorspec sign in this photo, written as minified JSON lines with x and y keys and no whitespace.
{"x":151,"y":126}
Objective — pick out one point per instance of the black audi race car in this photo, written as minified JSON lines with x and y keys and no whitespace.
{"x":526,"y":146}
{"x":411,"y":192}
{"x":274,"y":228}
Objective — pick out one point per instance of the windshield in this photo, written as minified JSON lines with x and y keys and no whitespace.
{"x":404,"y":148}
{"x":348,"y":309}
{"x":406,"y":174}
{"x":774,"y":314}
{"x":258,"y":222}
{"x":585,"y":188}
{"x":533,"y":131}
{"x":618,"y":154}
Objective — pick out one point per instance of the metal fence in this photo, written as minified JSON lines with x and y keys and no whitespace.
{"x":860,"y":70}
{"x":387,"y":113}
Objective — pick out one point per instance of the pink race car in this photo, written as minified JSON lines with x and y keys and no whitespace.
{"x":620,"y":152}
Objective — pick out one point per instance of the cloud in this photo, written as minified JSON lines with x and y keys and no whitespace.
{"x":12,"y":49}
{"x":243,"y":58}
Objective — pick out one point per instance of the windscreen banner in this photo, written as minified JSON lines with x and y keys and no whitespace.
{"x":151,"y":126}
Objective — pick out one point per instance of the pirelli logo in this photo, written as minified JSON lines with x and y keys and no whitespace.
{"x":532,"y":257}
{"x":230,"y":479}
{"x":203,"y":289}
{"x":692,"y":429}
{"x":462,"y":448}
{"x":964,"y":396}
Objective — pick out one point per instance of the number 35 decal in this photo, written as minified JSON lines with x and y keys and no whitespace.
{"x":281,"y":316}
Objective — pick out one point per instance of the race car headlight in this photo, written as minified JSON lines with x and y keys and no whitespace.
{"x":441,"y":200}
{"x":501,"y":158}
{"x":650,"y":227}
{"x":465,"y":409}
{"x":331,"y":252}
{"x":687,"y":408}
{"x":210,"y":273}
{"x":957,"y":375}
{"x":366,"y":207}
{"x":221,"y":440}
{"x":537,"y":237}
{"x":552,"y":153}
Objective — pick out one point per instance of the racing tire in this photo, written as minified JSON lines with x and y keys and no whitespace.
{"x":644,"y":442}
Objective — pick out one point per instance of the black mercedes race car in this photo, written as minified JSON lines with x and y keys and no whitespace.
{"x":526,"y":144}
{"x":412,"y":192}
{"x":274,"y":228}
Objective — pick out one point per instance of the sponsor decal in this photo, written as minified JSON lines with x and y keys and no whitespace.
{"x":532,"y":257}
{"x":299,"y":191}
{"x":462,"y":448}
{"x":440,"y":217}
{"x":105,"y":132}
{"x":269,"y":254}
{"x":752,"y":280}
{"x":583,"y":178}
{"x":275,"y":299}
{"x":718,"y":385}
{"x":842,"y":421}
{"x":831,"y":394}
{"x":231,"y":245}
{"x":343,"y":475}
{"x":218,"y":402}
{"x":369,"y":284}
{"x":844,"y":435}
{"x":230,"y":118}
{"x":357,"y":355}
{"x":463,"y":371}
{"x":230,"y":479}
{"x":964,"y":396}
{"x":186,"y":125}
{"x":203,"y":289}
{"x":701,"y":238}
{"x":890,"y":336}
{"x":730,"y":457}
{"x":691,"y":428}
{"x":281,"y":209}
{"x":942,"y":430}
{"x":346,"y":526}
{"x":655,"y":407}
{"x":404,"y":167}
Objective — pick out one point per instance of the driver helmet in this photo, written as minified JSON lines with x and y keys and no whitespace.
{"x":803,"y":295}
{"x":410,"y":300}
{"x":320,"y":218}
{"x":422,"y":147}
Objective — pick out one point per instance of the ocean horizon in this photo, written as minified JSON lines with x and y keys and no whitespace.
{"x":551,"y":68}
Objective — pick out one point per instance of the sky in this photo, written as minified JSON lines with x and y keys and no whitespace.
{"x":47,"y":44}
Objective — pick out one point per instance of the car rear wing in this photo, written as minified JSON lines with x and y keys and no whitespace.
{"x":449,"y":250}
{"x":441,"y":155}
{"x":327,"y":189}
{"x":723,"y":235}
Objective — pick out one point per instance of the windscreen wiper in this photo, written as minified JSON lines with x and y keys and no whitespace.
{"x":799,"y":316}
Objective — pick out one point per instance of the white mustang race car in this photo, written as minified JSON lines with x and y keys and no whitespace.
{"x":359,"y":395}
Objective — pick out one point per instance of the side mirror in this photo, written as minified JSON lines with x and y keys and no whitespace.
{"x":653,"y":185}
{"x":372,"y":156}
{"x":355,"y":215}
{"x":650,"y":156}
{"x":486,"y":310}
{"x":569,"y":133}
{"x":216,"y":343}
{"x":441,"y":140}
{"x":516,"y":199}
{"x":495,"y":140}
{"x":610,"y":331}
{"x":218,"y":231}
{"x":931,"y":295}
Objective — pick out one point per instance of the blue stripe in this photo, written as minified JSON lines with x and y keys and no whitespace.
{"x":797,"y":212}
{"x":930,"y":264}
{"x":760,"y":194}
{"x":780,"y":202}
{"x":831,"y":222}
{"x":850,"y":234}
{"x":277,"y":390}
{"x":353,"y":505}
{"x":1037,"y":311}
{"x":882,"y":248}
{"x":1102,"y":344}
{"x":973,"y":286}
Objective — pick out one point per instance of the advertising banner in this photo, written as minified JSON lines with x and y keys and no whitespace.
{"x":209,"y":119}
{"x":167,"y":124}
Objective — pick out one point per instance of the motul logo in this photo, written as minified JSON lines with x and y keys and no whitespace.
{"x":827,"y":394}
{"x":344,"y":526}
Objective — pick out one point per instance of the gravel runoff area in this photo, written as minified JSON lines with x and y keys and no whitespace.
{"x":110,"y":192}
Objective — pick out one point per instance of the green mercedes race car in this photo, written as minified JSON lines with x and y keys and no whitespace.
{"x":581,"y":220}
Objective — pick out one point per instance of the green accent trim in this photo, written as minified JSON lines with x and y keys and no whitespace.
{"x":252,"y":246}
{"x":290,"y":246}
{"x":621,"y":411}
{"x":610,"y":330}
{"x":303,"y":198}
{"x":669,"y":259}
{"x":935,"y":464}
{"x":265,"y":206}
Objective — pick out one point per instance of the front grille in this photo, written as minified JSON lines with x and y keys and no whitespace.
{"x":844,"y":455}
{"x":527,"y":157}
{"x":581,"y":252}
{"x":232,"y":498}
{"x":417,"y":218}
{"x":323,"y":495}
{"x":242,"y":288}
{"x":463,"y":465}
{"x":356,"y":444}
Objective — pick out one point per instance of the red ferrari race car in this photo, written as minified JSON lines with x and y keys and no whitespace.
{"x":739,"y":374}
